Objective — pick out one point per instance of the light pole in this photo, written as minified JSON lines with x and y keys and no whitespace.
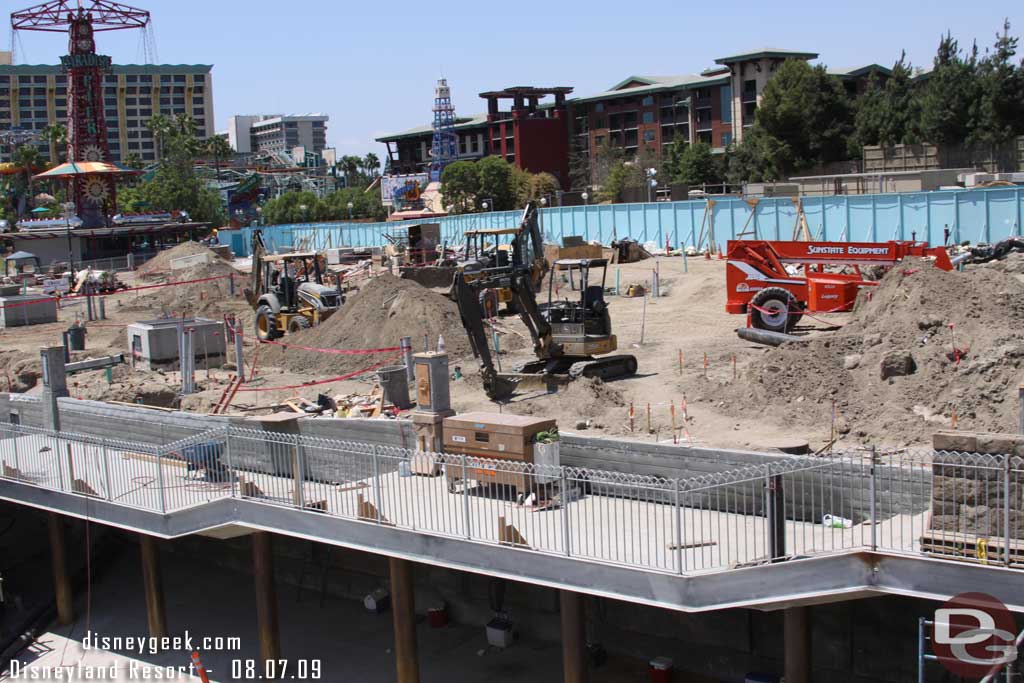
{"x":69,"y":208}
{"x":584,"y":197}
{"x":653,"y":182}
{"x":485,"y":205}
{"x":303,"y":208}
{"x":350,"y":205}
{"x":543,"y":203}
{"x":259,"y":215}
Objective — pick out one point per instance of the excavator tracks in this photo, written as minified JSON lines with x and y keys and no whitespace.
{"x":605,"y":368}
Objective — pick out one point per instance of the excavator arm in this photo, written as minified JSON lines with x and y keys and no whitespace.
{"x":522,"y":277}
{"x":258,"y":250}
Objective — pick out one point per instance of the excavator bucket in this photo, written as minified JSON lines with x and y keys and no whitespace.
{"x":498,"y":387}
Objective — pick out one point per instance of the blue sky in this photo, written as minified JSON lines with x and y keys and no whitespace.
{"x":372,"y":66}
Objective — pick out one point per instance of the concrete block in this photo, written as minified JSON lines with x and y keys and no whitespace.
{"x":28,"y":309}
{"x":964,"y":442}
{"x":998,"y":443}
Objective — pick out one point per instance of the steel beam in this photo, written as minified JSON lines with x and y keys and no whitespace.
{"x":94,"y":363}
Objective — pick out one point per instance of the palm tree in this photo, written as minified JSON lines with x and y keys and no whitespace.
{"x":161,"y":127}
{"x":133,"y":160}
{"x":371,"y":163}
{"x":350,"y":167}
{"x":28,"y":159}
{"x":57,"y":135}
{"x":218,"y":148}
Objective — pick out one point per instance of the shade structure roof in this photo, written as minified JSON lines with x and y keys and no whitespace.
{"x":74,"y":168}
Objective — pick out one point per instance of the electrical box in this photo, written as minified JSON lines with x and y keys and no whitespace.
{"x":431,"y":374}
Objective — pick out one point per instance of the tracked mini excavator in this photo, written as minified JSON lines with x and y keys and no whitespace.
{"x":287,"y":291}
{"x":567,"y":334}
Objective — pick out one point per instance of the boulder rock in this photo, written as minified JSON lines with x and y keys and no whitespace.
{"x":897,"y":364}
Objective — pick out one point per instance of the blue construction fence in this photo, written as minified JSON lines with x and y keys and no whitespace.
{"x":976,"y":216}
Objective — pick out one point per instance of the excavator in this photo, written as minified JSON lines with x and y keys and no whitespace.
{"x":287,"y":291}
{"x":567,"y":334}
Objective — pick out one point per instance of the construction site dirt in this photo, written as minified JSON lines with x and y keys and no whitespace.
{"x":926,"y":348}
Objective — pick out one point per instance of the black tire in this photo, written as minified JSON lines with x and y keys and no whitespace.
{"x":266,"y":324}
{"x":785,"y":310}
{"x":298,"y":323}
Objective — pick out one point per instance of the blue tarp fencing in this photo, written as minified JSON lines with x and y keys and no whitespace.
{"x":985,"y":215}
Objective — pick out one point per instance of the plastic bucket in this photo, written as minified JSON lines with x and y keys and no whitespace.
{"x":395,"y":385}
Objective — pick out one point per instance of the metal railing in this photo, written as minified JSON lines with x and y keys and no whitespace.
{"x":951,"y":504}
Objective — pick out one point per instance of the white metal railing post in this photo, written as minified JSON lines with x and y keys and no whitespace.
{"x":376,"y":486}
{"x":106,"y":469}
{"x":56,"y":450}
{"x":566,"y":538}
{"x":465,"y":498}
{"x":231,"y":467}
{"x":160,"y":480}
{"x":872,"y":492}
{"x":17,"y":463}
{"x":300,"y":474}
{"x":679,"y":530}
{"x":1006,"y":509}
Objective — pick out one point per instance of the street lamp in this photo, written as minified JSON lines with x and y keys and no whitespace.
{"x":584,"y":197}
{"x":259,"y":215}
{"x":350,"y":205}
{"x":303,"y":208}
{"x":69,"y":210}
{"x":485,"y":206}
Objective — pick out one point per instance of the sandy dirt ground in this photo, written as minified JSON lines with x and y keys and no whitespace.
{"x":688,"y":318}
{"x":724,"y":401}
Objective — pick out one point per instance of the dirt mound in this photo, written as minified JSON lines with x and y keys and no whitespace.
{"x":196,"y":298}
{"x":922,"y":345}
{"x":161,"y":263}
{"x":378,"y":315}
{"x":21,"y":371}
{"x":582,"y":404}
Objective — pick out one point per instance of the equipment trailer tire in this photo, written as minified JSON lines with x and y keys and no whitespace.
{"x":786,"y":310}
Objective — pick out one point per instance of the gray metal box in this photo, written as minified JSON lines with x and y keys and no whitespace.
{"x":154,"y":343}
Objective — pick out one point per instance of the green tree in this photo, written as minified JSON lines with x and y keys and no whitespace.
{"x":350,"y":165}
{"x":621,"y":175}
{"x":133,"y":160}
{"x":949,"y":94}
{"x":219,"y":148}
{"x":460,"y":185}
{"x":371,"y":165}
{"x":805,"y":116}
{"x":288,"y":208}
{"x":890,"y":114}
{"x":57,"y":134}
{"x":29,"y":161}
{"x":161,"y":126}
{"x":692,"y":164}
{"x":999,"y":108}
{"x":175,"y":186}
{"x":496,"y":183}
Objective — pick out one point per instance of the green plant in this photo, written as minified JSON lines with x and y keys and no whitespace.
{"x":548,"y":436}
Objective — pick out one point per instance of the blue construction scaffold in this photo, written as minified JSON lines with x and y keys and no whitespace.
{"x":444,"y":148}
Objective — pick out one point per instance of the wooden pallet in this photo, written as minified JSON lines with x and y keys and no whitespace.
{"x":971,"y":547}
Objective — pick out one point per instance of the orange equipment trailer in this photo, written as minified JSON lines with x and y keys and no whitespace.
{"x":758,"y":282}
